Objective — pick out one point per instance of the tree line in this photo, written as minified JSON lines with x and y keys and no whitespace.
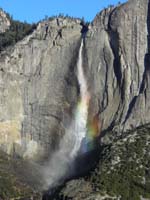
{"x":17,"y":31}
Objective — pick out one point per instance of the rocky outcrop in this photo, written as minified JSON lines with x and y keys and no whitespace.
{"x":4,"y":21}
{"x":38,"y":84}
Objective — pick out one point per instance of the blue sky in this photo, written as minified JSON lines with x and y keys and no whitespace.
{"x":35,"y":10}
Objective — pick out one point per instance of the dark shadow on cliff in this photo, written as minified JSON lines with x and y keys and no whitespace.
{"x":147,"y":56}
{"x":84,"y":27}
{"x":114,"y":42}
{"x":146,"y":70}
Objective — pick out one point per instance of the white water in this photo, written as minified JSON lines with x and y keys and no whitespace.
{"x":61,"y":162}
{"x":80,"y":121}
{"x":80,"y":75}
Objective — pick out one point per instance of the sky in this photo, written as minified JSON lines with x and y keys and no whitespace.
{"x":35,"y":10}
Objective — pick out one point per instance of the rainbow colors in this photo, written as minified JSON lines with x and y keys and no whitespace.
{"x":92,"y":126}
{"x":84,"y":130}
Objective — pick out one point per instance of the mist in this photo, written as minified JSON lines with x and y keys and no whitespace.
{"x":60,"y":165}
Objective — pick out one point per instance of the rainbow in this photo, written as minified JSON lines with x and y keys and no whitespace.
{"x":85,"y":130}
{"x":92,"y":124}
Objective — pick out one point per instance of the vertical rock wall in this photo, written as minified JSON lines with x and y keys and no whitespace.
{"x":38,"y":83}
{"x":38,"y":87}
{"x":118,"y":37}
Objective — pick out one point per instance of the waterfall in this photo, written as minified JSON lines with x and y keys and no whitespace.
{"x":80,"y":75}
{"x":81,"y":114}
{"x":60,"y":164}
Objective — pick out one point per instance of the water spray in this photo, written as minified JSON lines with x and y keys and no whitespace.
{"x":61,"y":162}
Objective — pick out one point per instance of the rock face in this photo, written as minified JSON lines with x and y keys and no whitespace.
{"x":38,"y":84}
{"x":4,"y":22}
{"x":38,"y":87}
{"x":119,"y":64}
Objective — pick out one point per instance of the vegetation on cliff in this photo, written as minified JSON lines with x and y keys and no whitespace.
{"x":123,"y":171}
{"x":16,"y":32}
{"x":124,"y":166}
{"x":13,"y":180}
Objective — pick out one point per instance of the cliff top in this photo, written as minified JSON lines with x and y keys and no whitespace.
{"x":4,"y":21}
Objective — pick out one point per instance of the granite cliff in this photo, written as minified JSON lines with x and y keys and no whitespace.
{"x":38,"y":84}
{"x":38,"y":77}
{"x":119,"y":64}
{"x":4,"y":21}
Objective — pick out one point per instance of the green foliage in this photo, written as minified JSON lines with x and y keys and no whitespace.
{"x":63,"y":16}
{"x":123,"y":170}
{"x":17,"y":31}
{"x":12,"y":185}
{"x":129,"y":178}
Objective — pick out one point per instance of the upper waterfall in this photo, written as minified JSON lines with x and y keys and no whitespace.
{"x":76,"y":138}
{"x":81,"y":114}
{"x":61,"y":161}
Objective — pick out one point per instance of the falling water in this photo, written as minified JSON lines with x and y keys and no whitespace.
{"x":62,"y":159}
{"x":80,"y":122}
{"x":61,"y":164}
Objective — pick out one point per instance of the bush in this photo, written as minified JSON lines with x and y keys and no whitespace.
{"x":125,"y":179}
